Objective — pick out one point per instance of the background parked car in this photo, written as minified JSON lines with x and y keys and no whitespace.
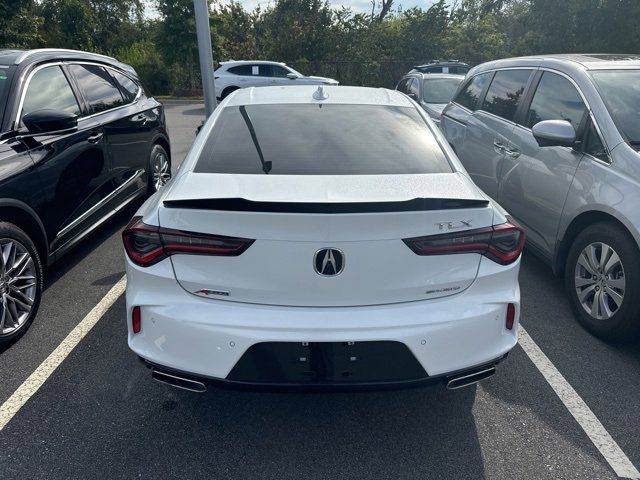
{"x":555,"y":140}
{"x":233,"y":75}
{"x":431,"y":90}
{"x":79,"y":139}
{"x":455,"y":67}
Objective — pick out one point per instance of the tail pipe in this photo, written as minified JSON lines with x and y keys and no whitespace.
{"x":178,"y":381}
{"x":466,"y":379}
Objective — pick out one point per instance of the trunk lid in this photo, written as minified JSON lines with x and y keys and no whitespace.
{"x":292,"y":218}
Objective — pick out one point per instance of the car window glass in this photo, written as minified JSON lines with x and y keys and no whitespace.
{"x":278,"y":71}
{"x":244,"y":70}
{"x":470,"y":93}
{"x":97,"y":87}
{"x":459,"y":70}
{"x":414,"y":87}
{"x":402,"y":86}
{"x":439,"y":90}
{"x":49,"y":88}
{"x":128,"y":87}
{"x":593,"y":144}
{"x":327,"y":139}
{"x":505,"y":92}
{"x":620,"y":91}
{"x":555,"y":99}
{"x":255,"y":70}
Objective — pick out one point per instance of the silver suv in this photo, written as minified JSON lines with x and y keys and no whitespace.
{"x":555,"y":139}
{"x":431,"y":90}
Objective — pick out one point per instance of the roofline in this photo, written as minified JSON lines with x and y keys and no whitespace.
{"x":251,"y":61}
{"x":23,"y":56}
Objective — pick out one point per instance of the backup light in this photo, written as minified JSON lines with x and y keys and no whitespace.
{"x":146,"y":244}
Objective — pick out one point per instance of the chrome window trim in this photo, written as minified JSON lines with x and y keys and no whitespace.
{"x":100,"y":204}
{"x":30,"y":53}
{"x":60,"y":63}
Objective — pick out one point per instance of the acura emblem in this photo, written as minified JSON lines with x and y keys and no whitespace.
{"x":328,"y":262}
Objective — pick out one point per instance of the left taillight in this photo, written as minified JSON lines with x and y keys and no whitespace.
{"x":147,"y":244}
{"x":500,"y":243}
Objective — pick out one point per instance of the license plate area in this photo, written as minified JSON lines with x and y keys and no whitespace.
{"x":285,"y":363}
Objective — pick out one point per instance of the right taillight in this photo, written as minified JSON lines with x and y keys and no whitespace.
{"x":148,"y":244}
{"x":500,"y":243}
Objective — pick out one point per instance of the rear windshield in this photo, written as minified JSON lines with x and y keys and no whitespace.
{"x":439,"y":90}
{"x":329,"y":139}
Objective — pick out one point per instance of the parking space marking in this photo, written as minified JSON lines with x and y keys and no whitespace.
{"x":40,"y":375}
{"x":596,"y":432}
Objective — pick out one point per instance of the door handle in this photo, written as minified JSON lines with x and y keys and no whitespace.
{"x":95,"y":138}
{"x":512,"y":153}
{"x":499,"y":147}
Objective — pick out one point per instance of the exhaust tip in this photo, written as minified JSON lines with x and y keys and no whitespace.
{"x":178,"y":382}
{"x":470,"y":378}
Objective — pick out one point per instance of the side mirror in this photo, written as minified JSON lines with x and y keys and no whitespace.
{"x":413,"y":96}
{"x":554,"y":133}
{"x":292,"y":76}
{"x":42,"y":122}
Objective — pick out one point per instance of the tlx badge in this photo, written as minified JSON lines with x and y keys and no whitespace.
{"x":454,"y":225}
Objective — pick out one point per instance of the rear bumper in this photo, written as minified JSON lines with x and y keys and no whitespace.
{"x":206,"y":338}
{"x":320,"y":387}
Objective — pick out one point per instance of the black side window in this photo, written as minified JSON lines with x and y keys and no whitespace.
{"x":244,"y":70}
{"x":402,"y":86}
{"x":593,"y":144}
{"x":470,"y":93}
{"x":275,"y":71}
{"x":505,"y":92}
{"x":128,"y":88}
{"x":555,"y":99}
{"x":49,"y":88}
{"x":97,"y":87}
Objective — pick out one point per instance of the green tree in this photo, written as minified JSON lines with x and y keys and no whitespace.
{"x":19,"y":23}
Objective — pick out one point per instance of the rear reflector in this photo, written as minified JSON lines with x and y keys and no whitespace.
{"x":147,"y":244}
{"x":136,"y":320}
{"x":500,"y":243}
{"x":511,"y":316}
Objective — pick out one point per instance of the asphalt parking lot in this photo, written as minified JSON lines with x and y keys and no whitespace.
{"x":100,"y":415}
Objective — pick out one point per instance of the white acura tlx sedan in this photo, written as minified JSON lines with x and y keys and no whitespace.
{"x":321,"y":237}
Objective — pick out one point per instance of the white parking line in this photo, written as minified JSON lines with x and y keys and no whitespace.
{"x":607,"y":446}
{"x":32,"y":384}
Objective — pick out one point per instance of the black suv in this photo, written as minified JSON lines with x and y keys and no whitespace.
{"x":79,"y":140}
{"x":455,"y":67}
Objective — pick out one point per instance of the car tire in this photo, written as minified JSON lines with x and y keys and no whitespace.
{"x":159,"y":169}
{"x":605,"y":292}
{"x":227,"y":91}
{"x":21,"y":282}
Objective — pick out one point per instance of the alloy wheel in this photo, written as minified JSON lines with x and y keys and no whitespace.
{"x":18,"y":285}
{"x":161,"y":170}
{"x":600,"y":280}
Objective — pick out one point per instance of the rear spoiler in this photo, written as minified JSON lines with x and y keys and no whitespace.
{"x":243,"y":205}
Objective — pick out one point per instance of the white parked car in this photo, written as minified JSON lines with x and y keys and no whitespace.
{"x":321,"y":237}
{"x":233,"y":75}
